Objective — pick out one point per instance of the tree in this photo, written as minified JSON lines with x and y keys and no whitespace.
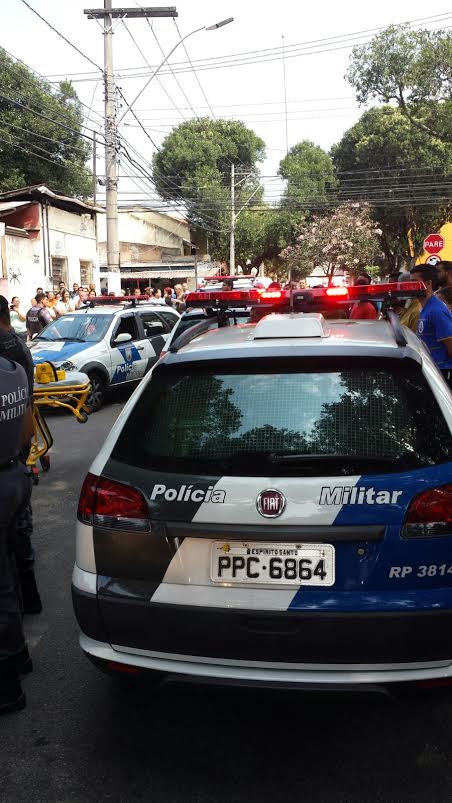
{"x":402,"y":171}
{"x":346,"y":238}
{"x":34,"y":150}
{"x":412,"y":68}
{"x":194,"y":165}
{"x":309,"y":173}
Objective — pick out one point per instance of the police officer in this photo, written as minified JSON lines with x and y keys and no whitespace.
{"x":13,"y":348}
{"x":38,"y":316}
{"x":435,"y":321}
{"x":16,"y":427}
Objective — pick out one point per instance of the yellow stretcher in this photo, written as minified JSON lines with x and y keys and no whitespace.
{"x":70,"y":392}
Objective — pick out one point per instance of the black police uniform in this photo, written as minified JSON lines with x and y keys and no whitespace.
{"x":14,"y":399}
{"x":13,"y":348}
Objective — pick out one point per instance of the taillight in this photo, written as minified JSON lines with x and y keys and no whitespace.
{"x":337,"y":292}
{"x":107,"y":503}
{"x":429,"y":514}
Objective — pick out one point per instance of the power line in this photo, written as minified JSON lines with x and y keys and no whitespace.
{"x":172,"y":72}
{"x":42,"y":136}
{"x":194,"y":71}
{"x":147,"y":62}
{"x":45,"y":117}
{"x":437,"y":18}
{"x":51,"y":90}
{"x":62,"y":36}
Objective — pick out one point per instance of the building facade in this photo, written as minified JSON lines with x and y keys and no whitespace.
{"x":47,"y":238}
{"x":155,"y":249}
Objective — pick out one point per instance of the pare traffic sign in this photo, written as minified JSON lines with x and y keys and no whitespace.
{"x":434,"y":243}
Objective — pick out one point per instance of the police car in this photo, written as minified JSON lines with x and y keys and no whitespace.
{"x":115,"y":340}
{"x":274,"y":504}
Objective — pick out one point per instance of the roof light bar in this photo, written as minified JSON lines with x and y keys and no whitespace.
{"x":222,"y":298}
{"x":307,"y":299}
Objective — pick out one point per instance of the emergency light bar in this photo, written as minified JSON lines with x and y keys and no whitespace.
{"x":235,"y":278}
{"x":95,"y":300}
{"x":307,"y":299}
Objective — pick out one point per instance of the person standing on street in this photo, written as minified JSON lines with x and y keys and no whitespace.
{"x":38,"y":316}
{"x":16,"y":427}
{"x":14,"y":349}
{"x":435,"y":321}
{"x":444,"y":272}
{"x":18,"y":318}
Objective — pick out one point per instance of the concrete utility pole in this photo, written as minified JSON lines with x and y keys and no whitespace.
{"x":111,"y":168}
{"x":108,"y":14}
{"x":233,"y":218}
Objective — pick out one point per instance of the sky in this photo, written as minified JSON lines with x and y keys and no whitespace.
{"x":321,"y":104}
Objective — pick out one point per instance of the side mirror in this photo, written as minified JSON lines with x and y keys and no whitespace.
{"x":124,"y":337}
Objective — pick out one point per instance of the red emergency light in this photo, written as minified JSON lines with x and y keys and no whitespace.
{"x":266,"y":295}
{"x":336,"y":292}
{"x":227,"y":297}
{"x":308,"y":298}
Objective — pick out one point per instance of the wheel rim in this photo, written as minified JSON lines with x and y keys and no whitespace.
{"x":97,"y":392}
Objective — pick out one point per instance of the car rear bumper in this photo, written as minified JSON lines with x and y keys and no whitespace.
{"x":288,"y":648}
{"x":206,"y":670}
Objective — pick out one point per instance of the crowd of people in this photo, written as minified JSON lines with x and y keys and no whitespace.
{"x":47,"y":306}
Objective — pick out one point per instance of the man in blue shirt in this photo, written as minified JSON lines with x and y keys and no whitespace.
{"x":435,"y":321}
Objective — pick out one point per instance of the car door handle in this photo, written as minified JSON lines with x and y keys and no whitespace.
{"x":140,"y":348}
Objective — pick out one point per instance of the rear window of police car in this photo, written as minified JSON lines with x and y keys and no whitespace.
{"x":286,"y":417}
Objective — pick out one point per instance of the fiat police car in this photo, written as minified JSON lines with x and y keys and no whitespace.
{"x":114,"y":340}
{"x":274,"y":504}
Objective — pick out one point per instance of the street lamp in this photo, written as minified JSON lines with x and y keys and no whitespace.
{"x":203,"y":28}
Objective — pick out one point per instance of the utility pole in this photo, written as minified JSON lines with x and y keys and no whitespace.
{"x":108,"y":14}
{"x":232,"y":242}
{"x":95,"y":168}
{"x":111,"y":167}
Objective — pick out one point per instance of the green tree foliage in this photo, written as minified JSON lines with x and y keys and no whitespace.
{"x":345,"y":238}
{"x":412,"y":68}
{"x":309,"y":173}
{"x":405,"y":174}
{"x":194,"y":165}
{"x":34,"y":150}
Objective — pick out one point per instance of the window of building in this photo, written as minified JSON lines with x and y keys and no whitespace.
{"x":86,"y":272}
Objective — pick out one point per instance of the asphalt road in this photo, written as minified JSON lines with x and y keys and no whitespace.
{"x":81,"y":739}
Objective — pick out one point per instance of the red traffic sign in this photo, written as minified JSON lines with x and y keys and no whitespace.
{"x":434,"y":243}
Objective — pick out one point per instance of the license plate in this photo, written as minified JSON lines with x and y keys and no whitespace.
{"x":272,"y":564}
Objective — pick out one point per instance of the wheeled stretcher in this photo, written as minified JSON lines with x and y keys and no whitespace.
{"x":68,"y":391}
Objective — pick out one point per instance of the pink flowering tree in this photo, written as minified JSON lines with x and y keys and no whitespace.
{"x":345,"y":239}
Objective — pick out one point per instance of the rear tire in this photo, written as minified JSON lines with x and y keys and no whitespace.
{"x":98,"y":389}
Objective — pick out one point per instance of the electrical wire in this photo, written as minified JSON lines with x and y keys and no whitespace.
{"x":194,"y":71}
{"x":62,"y":36}
{"x":147,"y":62}
{"x":45,"y":117}
{"x":431,"y":19}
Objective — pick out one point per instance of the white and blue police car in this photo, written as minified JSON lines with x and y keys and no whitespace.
{"x":274,"y":505}
{"x":114,"y":340}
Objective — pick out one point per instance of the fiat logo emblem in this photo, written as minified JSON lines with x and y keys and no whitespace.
{"x":271,"y":503}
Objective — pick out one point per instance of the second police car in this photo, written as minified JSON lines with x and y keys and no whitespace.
{"x":112,"y":340}
{"x":274,"y":506}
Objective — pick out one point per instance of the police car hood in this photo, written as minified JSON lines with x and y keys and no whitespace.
{"x":306,"y":501}
{"x":57,"y":351}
